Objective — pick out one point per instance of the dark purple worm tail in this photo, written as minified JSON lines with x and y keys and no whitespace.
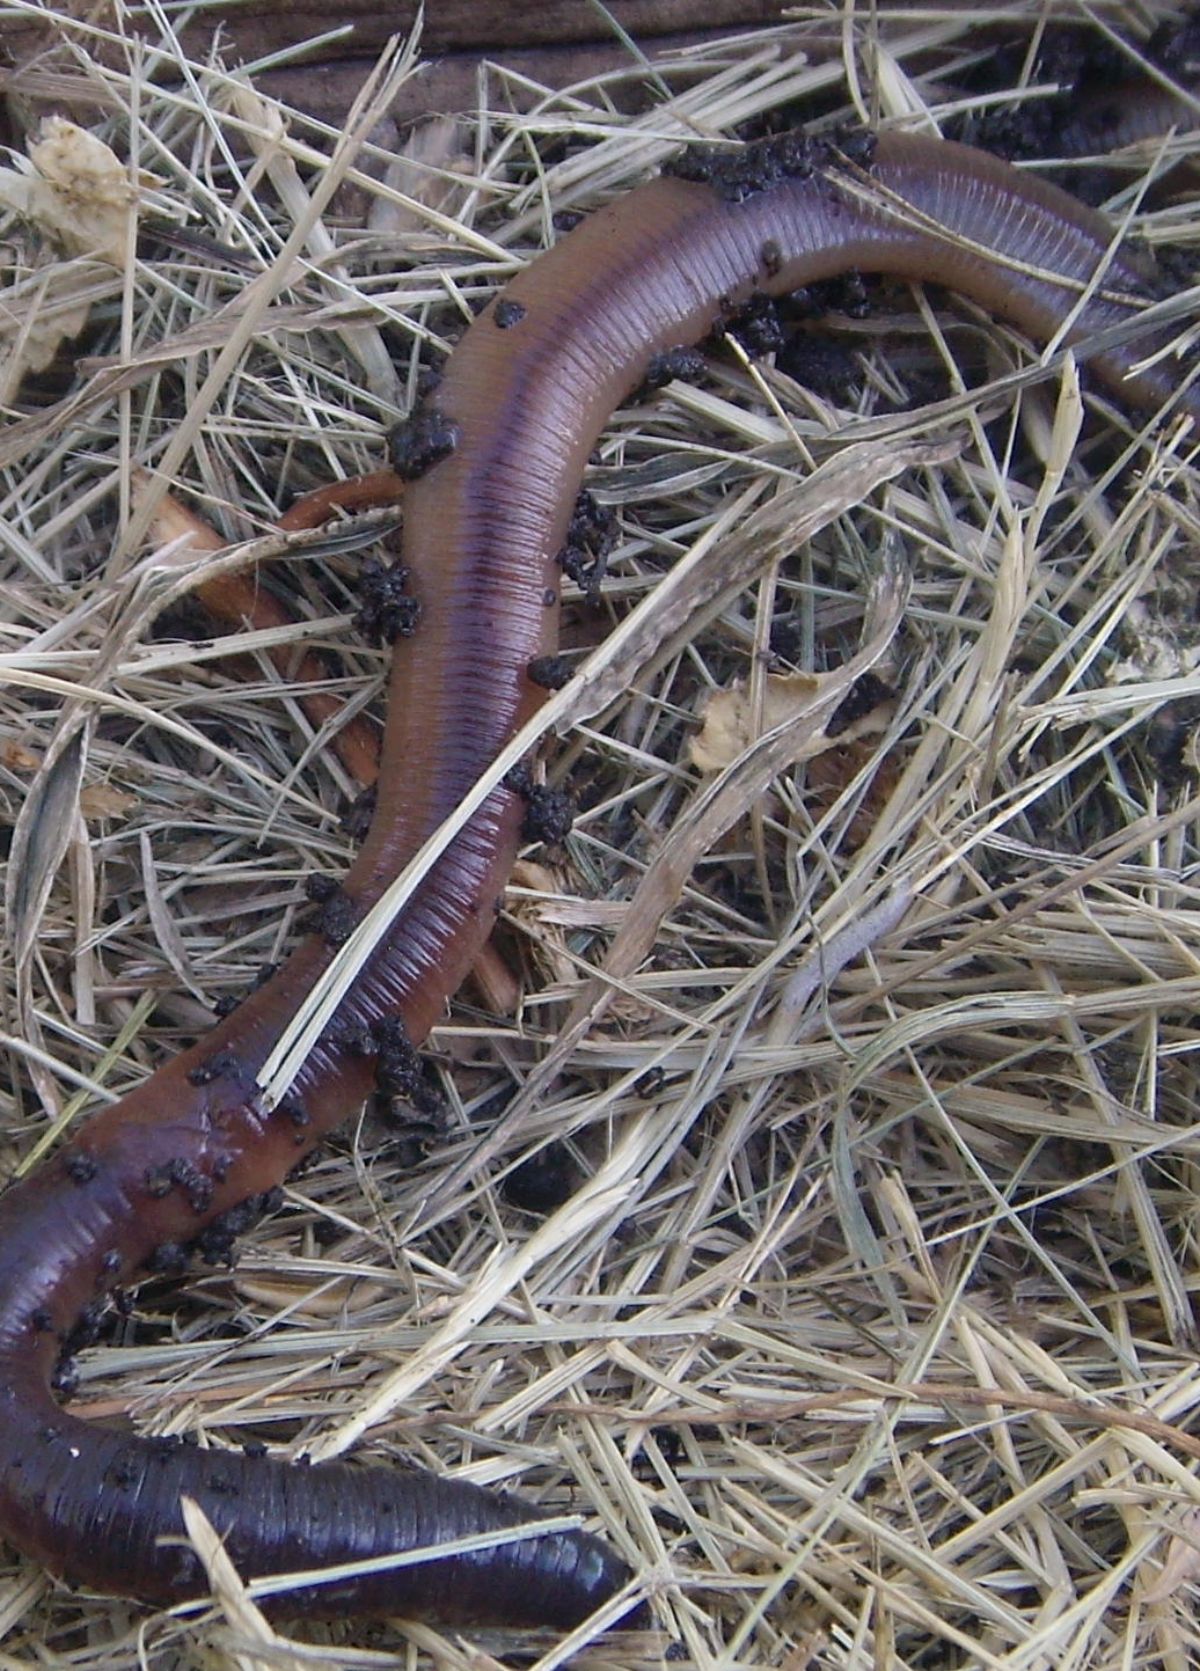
{"x":524,"y":397}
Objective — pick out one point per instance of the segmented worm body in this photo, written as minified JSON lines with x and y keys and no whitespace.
{"x":191,"y":1154}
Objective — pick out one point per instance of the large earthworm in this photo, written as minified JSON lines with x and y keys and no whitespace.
{"x":192,"y":1153}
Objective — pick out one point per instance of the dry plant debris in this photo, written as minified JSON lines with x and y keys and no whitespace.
{"x":866,"y":1323}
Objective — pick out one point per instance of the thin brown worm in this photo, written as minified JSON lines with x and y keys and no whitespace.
{"x":240,"y":599}
{"x":377,"y":487}
{"x":190,"y":1155}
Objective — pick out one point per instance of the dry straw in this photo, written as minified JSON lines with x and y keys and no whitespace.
{"x":865,"y":1323}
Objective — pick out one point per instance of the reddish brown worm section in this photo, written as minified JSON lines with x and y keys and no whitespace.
{"x":356,"y":493}
{"x":526,"y":394}
{"x":240,"y":599}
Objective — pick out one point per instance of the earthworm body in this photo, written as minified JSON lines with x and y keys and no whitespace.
{"x":192,"y":1154}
